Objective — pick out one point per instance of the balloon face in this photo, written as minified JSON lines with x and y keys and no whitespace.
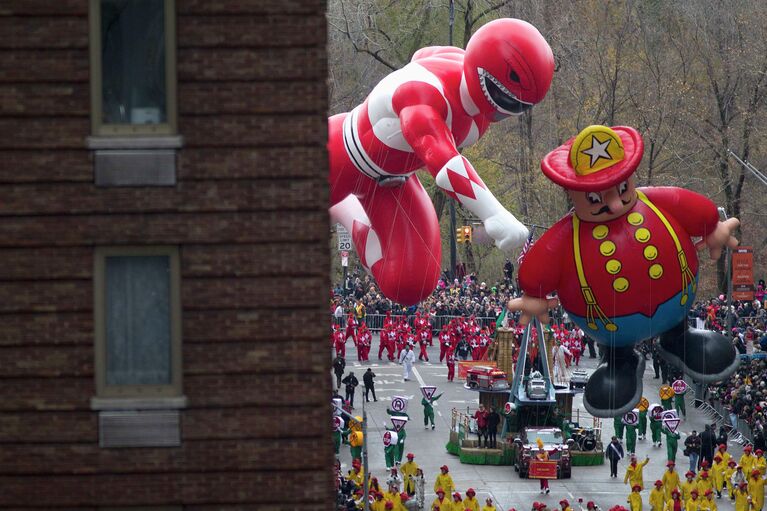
{"x":508,"y":67}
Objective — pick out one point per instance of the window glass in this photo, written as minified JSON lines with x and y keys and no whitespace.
{"x":138,"y":321}
{"x":133,"y":62}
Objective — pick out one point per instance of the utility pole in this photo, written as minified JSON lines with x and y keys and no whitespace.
{"x":451,"y":204}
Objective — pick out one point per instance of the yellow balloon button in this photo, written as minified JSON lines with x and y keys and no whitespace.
{"x":655,"y":271}
{"x":599,"y":232}
{"x":636,"y":219}
{"x":613,"y":266}
{"x":621,"y":284}
{"x":650,"y":252}
{"x":607,"y":248}
{"x":642,"y":235}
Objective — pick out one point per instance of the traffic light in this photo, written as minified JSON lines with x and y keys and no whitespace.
{"x":459,"y":235}
{"x":467,"y":234}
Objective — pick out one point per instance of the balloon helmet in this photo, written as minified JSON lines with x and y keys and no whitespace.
{"x":508,"y":67}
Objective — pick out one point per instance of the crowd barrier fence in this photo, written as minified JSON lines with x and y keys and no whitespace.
{"x":375,"y":322}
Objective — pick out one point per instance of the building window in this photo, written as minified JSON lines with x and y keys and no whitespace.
{"x":137,"y":321}
{"x":133,"y":67}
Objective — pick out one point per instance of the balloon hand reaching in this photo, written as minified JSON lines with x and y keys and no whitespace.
{"x":721,"y":237}
{"x":530,"y":306}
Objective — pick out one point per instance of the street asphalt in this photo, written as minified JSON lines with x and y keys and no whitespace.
{"x":502,"y":483}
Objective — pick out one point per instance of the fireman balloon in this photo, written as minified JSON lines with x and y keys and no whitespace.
{"x":624,"y":266}
{"x":420,"y":116}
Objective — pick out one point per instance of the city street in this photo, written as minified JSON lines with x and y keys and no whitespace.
{"x":502,"y":483}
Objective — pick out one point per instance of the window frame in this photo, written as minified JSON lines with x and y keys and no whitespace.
{"x":98,"y":127}
{"x":174,"y":388}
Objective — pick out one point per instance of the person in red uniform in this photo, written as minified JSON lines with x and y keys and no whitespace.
{"x":391,"y":343}
{"x":450,"y":361}
{"x":445,"y":342}
{"x":388,"y":321}
{"x":339,"y":343}
{"x":383,"y":338}
{"x":424,"y":336}
{"x":351,"y":328}
{"x":364,"y":340}
{"x":624,"y":266}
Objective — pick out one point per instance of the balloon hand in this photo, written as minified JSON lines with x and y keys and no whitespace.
{"x":530,"y":306}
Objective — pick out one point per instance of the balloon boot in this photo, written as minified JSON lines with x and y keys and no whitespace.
{"x":616,"y":386}
{"x":705,"y":355}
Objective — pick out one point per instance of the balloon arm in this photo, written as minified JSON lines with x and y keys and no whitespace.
{"x":696,"y":213}
{"x":540,"y":271}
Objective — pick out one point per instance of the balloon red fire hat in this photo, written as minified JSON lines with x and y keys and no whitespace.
{"x":596,"y":159}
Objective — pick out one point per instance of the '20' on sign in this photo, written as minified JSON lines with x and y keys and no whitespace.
{"x":344,"y":239}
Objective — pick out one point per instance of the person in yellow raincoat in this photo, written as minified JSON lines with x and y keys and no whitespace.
{"x":741,"y":497}
{"x":356,"y":474}
{"x":718,"y":471}
{"x":635,"y":498}
{"x":378,"y":503}
{"x":675,"y":503}
{"x":488,"y":505}
{"x":704,"y":482}
{"x":408,"y":471}
{"x":747,"y":460}
{"x":441,"y":503}
{"x":634,"y":472}
{"x":564,"y":505}
{"x":726,"y":456}
{"x":756,"y":489}
{"x":657,"y":497}
{"x":688,"y":485}
{"x":760,"y":463}
{"x":693,"y":503}
{"x":392,"y":495}
{"x":470,"y":502}
{"x":444,"y":481}
{"x":404,"y":497}
{"x":670,"y":479}
{"x":708,"y":503}
{"x":457,"y":504}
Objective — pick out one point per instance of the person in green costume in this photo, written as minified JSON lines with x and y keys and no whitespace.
{"x":672,"y":440}
{"x":655,"y":432}
{"x":631,"y":438}
{"x":428,"y":410}
{"x":618,"y":425}
{"x":401,"y":435}
{"x":337,"y":437}
{"x":390,"y":451}
{"x":642,"y":424}
{"x":679,"y":405}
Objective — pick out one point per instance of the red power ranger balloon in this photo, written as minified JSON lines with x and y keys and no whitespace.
{"x":419,"y":116}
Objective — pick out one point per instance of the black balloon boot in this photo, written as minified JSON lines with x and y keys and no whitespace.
{"x":705,"y":355}
{"x":616,"y":386}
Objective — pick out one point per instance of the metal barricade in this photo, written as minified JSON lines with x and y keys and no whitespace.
{"x":375,"y":322}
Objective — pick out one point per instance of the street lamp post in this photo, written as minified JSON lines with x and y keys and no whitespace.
{"x":451,"y":204}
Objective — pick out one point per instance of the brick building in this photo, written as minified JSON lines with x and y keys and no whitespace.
{"x":163,"y":255}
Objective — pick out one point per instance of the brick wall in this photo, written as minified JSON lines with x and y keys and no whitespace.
{"x":250,"y":216}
